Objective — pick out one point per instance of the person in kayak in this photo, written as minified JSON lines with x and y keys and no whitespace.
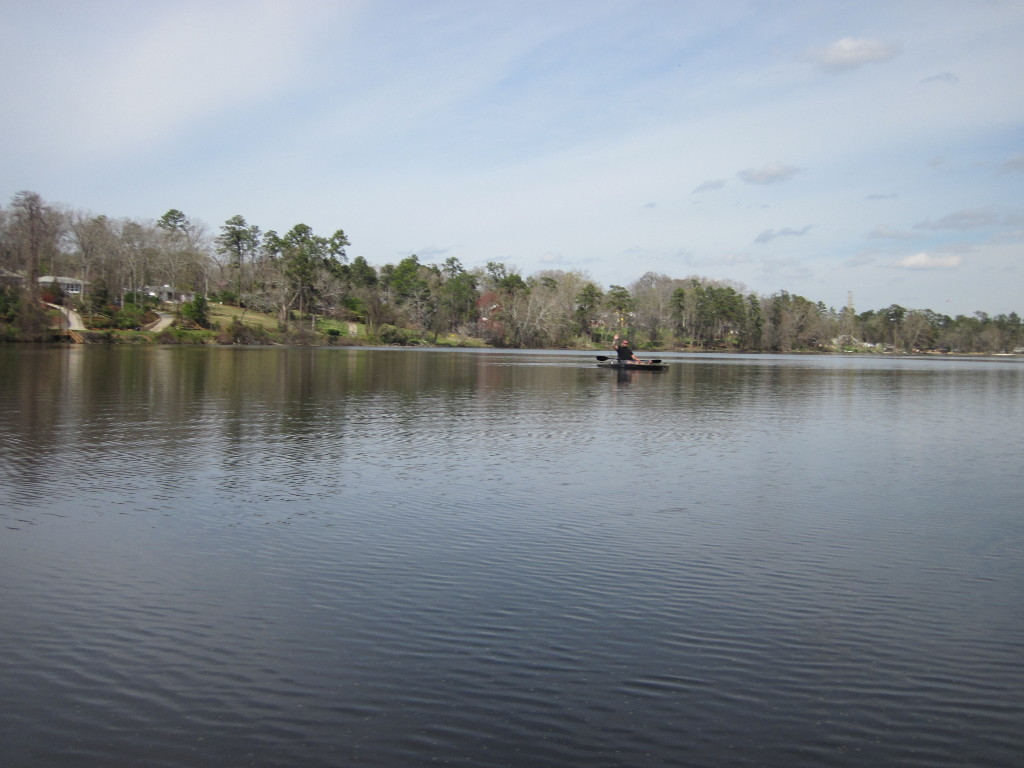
{"x":624,"y":351}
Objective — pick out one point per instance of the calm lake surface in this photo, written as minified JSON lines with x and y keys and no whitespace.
{"x":341,"y":557}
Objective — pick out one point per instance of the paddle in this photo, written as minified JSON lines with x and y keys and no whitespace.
{"x":602,"y":358}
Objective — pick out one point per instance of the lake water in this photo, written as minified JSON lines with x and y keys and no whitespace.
{"x":342,"y":557}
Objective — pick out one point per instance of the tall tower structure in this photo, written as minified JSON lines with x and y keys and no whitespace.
{"x":849,"y":321}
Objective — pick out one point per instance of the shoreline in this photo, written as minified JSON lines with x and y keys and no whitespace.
{"x":208,"y":338}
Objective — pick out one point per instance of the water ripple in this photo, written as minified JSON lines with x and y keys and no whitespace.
{"x":337,"y":558}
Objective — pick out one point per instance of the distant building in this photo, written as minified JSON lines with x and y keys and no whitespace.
{"x":159,"y":292}
{"x":70,"y":285}
{"x":8,"y":278}
{"x":166,"y":293}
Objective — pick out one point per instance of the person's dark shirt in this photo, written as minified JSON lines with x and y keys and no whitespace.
{"x":625,"y":353}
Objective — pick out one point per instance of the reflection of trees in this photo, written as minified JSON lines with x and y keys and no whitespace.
{"x":37,"y":406}
{"x":297,"y":424}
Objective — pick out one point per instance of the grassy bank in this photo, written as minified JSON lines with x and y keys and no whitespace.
{"x":231,"y":325}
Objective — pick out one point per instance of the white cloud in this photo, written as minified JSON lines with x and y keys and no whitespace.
{"x":159,"y":73}
{"x":942,"y":77}
{"x":709,"y":186}
{"x":770,"y":234}
{"x":429,"y":254}
{"x":927,"y":261}
{"x":550,"y":259}
{"x":850,"y":53}
{"x":861,"y":259}
{"x":788,"y":268}
{"x":769,"y":174}
{"x":972,"y":218}
{"x":1014,"y":164}
{"x":885,"y":232}
{"x":1009,"y":236}
{"x":715,"y":260}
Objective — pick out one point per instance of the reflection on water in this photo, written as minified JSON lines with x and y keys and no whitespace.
{"x":390,"y":557}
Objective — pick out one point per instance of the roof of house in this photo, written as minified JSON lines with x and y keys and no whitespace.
{"x":60,"y":279}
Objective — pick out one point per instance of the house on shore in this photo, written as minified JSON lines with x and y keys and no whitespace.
{"x":10,"y":279}
{"x":166,"y":293}
{"x":72,"y":286}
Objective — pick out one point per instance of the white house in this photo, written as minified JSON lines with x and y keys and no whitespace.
{"x":70,"y":285}
{"x":167,"y":293}
{"x":159,"y":292}
{"x":10,"y":278}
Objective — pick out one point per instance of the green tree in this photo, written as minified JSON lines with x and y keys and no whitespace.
{"x":619,"y":300}
{"x":894,"y":316}
{"x":411,"y":287}
{"x":793,"y":322}
{"x":752,"y":328}
{"x":679,"y":312}
{"x":406,"y":281}
{"x":361,"y":273}
{"x":196,"y":311}
{"x":174,"y":221}
{"x":1007,"y":332}
{"x":504,"y":280}
{"x":303,"y":255}
{"x":365,"y":298}
{"x":588,"y":301}
{"x":239,"y":241}
{"x":308,"y":267}
{"x":182,"y":260}
{"x":507,"y":301}
{"x":917,"y":332}
{"x":457,"y":296}
{"x":718,"y":312}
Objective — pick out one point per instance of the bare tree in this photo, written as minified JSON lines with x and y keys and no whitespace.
{"x":92,"y":241}
{"x":652,"y":298}
{"x":36,"y":229}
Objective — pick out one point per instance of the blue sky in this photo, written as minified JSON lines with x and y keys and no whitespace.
{"x":819,"y":147}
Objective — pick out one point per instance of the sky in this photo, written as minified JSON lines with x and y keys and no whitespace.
{"x":871,"y":150}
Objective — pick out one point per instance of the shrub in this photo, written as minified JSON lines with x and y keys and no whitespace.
{"x":225,"y":297}
{"x":196,"y":311}
{"x":257,"y":303}
{"x":302,"y":337}
{"x":240,"y":333}
{"x":100,"y":322}
{"x":130,"y":316}
{"x":9,"y":300}
{"x":390,"y":334}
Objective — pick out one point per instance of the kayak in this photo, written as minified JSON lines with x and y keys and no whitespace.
{"x":631,"y":366}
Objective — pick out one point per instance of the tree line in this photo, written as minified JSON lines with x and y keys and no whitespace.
{"x":303,"y":277}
